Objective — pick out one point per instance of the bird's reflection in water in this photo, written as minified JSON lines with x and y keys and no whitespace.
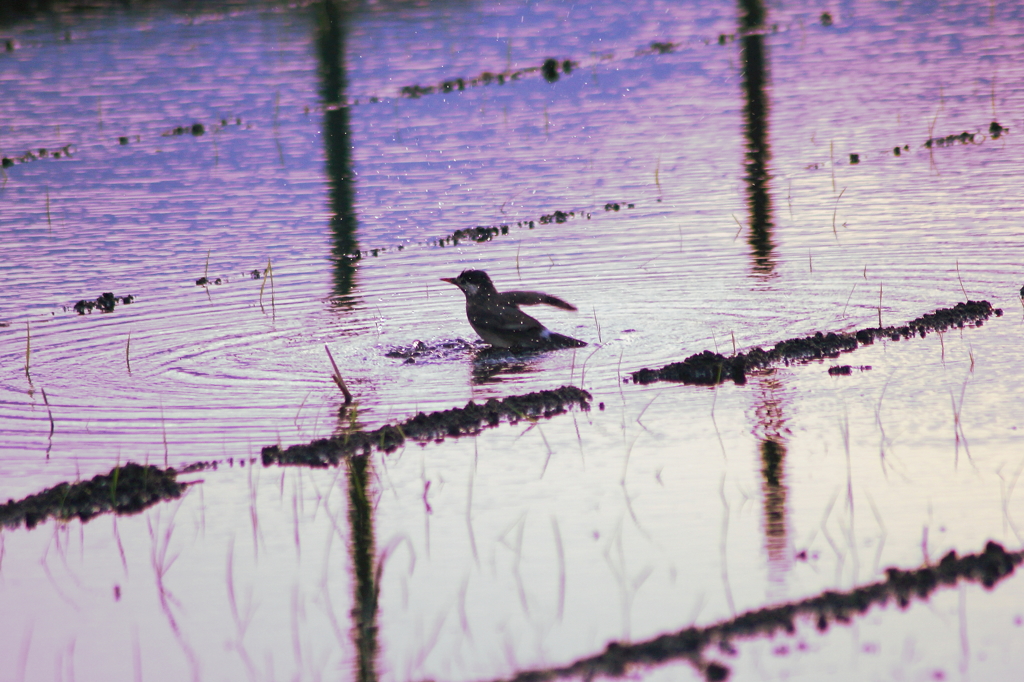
{"x":492,"y":365}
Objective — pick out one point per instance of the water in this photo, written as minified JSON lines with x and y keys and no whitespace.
{"x":742,"y":220}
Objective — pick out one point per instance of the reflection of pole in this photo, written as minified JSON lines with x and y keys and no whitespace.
{"x":756,"y":128}
{"x":771,"y":431}
{"x":13,"y":11}
{"x":331,"y":29}
{"x":331,"y":50}
{"x":773,"y":454}
{"x":364,"y":610}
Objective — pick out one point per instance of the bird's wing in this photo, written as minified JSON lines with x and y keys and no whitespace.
{"x":534,"y":298}
{"x":501,"y":319}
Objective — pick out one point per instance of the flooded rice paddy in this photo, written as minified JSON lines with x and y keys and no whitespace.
{"x":196,"y":199}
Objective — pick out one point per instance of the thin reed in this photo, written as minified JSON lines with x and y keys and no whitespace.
{"x":28,"y":350}
{"x":338,"y":380}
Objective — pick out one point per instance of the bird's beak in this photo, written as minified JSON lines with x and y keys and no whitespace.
{"x":450,"y":280}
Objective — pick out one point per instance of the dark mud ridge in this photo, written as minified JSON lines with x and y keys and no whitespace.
{"x":125,"y":490}
{"x":436,"y":426}
{"x":692,"y":644}
{"x":711,"y":368}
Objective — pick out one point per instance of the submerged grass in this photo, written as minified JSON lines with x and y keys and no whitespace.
{"x":28,"y":350}
{"x":958,"y":426}
{"x":879,"y":305}
{"x":48,"y":410}
{"x":835,"y":210}
{"x":268,"y":272}
{"x":966,"y":298}
{"x":845,"y":305}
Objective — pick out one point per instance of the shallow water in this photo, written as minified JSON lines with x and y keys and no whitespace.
{"x":535,"y":544}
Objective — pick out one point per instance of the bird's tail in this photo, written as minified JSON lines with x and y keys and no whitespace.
{"x":554,"y":340}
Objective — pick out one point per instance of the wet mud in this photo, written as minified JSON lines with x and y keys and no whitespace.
{"x":125,"y":490}
{"x":36,"y":155}
{"x":695,"y":644}
{"x":709,"y":368}
{"x":847,"y":370}
{"x":436,"y":426}
{"x":105,"y":303}
{"x":995,"y":131}
{"x":486,"y":233}
{"x":551,"y":69}
{"x":206,"y":281}
{"x":657,"y":48}
{"x":976,"y":138}
{"x":196,"y":129}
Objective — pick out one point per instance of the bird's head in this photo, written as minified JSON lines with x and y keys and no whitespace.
{"x":472,"y":282}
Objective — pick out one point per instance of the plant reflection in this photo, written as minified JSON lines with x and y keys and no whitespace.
{"x":330,"y":40}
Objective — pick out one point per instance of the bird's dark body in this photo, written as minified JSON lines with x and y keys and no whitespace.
{"x":496,"y":317}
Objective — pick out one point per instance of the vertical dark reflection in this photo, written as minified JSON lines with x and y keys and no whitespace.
{"x":758,"y":156}
{"x":331,"y":27}
{"x":771,"y":434}
{"x":13,"y":11}
{"x":364,"y":609}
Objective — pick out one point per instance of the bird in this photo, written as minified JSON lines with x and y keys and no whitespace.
{"x":496,"y":317}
